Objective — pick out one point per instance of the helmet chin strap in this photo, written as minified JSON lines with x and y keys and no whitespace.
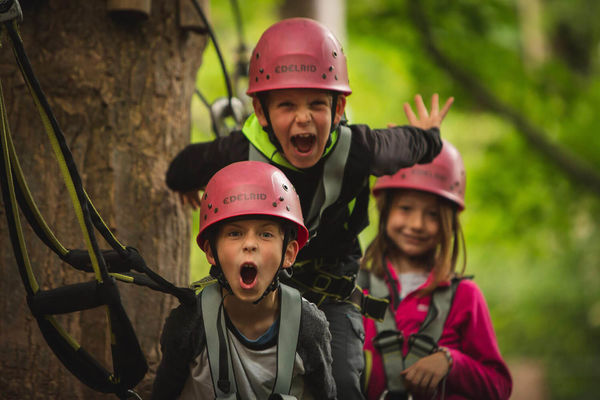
{"x":262,"y":98}
{"x":216,"y":271}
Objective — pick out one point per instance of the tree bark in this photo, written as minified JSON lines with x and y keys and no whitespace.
{"x":120,"y":88}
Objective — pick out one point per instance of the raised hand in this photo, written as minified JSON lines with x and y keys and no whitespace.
{"x":427,"y":120}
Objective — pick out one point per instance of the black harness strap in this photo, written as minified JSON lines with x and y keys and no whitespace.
{"x":129,"y":364}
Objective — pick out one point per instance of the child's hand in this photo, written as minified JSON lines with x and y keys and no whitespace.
{"x":192,"y":198}
{"x":424,"y":376}
{"x":426,"y":120}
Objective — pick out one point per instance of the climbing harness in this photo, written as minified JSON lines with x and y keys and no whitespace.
{"x":389,"y":340}
{"x":219,"y":348}
{"x":312,"y":277}
{"x":223,"y":109}
{"x":129,"y":364}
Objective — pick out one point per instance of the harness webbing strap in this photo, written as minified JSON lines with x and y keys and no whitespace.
{"x":129,"y":363}
{"x":287,"y":341}
{"x":389,"y":340}
{"x":211,"y":300}
{"x":330,"y":186}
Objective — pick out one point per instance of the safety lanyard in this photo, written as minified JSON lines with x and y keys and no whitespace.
{"x":129,"y":364}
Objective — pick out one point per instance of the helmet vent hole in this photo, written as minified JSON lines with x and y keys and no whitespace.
{"x":287,"y":208}
{"x":330,"y":68}
{"x":334,"y":53}
{"x":336,"y":78}
{"x":285,"y":187}
{"x":216,"y":210}
{"x":324,"y":76}
{"x":280,"y":198}
{"x":257,"y":55}
{"x":209,"y":206}
{"x":268,"y":76}
{"x":261,"y":70}
{"x":274,"y":204}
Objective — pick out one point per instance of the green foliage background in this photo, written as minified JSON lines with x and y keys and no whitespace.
{"x":532,"y":232}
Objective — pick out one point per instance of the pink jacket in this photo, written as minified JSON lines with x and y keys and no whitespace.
{"x":478,"y":372}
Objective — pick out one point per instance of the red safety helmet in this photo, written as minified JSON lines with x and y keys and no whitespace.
{"x":298,"y":53}
{"x":444,"y":176}
{"x":250,"y":188}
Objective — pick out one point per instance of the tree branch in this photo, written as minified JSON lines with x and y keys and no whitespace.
{"x":578,"y":170}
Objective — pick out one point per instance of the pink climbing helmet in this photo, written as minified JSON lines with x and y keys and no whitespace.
{"x":298,"y":53}
{"x":250,"y":188}
{"x":444,"y":176}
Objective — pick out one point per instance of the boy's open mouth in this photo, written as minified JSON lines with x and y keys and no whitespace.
{"x":304,"y":142}
{"x":248,"y":275}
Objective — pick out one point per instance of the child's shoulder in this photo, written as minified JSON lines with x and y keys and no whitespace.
{"x":183,"y":325}
{"x":313,"y":320}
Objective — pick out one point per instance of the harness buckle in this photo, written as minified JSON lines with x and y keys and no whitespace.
{"x":321,"y":283}
{"x":386,"y":341}
{"x":9,"y":10}
{"x":422,"y":344}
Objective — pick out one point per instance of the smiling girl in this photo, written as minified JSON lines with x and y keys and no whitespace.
{"x":437,"y":339}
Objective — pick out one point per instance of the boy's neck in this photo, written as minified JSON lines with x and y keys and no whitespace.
{"x":253,"y":320}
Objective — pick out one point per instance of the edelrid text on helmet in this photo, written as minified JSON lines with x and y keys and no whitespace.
{"x":298,"y":53}
{"x":444,"y":176}
{"x":250,"y":188}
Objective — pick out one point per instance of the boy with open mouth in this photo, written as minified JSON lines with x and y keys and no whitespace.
{"x":248,"y":335}
{"x":298,"y":81}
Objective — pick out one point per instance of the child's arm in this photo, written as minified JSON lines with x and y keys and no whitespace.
{"x":478,"y":370}
{"x":314,"y":347}
{"x":191,"y":169}
{"x":181,"y":340}
{"x":427,"y":120}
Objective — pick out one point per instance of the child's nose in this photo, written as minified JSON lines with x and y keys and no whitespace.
{"x":303,"y":116}
{"x":417,"y":220}
{"x":250,"y":242}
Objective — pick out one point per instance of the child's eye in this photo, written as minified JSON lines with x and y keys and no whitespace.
{"x":234,"y":233}
{"x":319,"y":104}
{"x":267,"y":235}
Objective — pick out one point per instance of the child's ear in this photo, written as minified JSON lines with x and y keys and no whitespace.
{"x":340,"y":107}
{"x":259,"y":112}
{"x":209,"y":254}
{"x":290,"y":253}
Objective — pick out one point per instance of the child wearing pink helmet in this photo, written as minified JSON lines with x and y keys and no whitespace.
{"x":298,"y":80}
{"x":247,"y":336}
{"x":436,"y":340}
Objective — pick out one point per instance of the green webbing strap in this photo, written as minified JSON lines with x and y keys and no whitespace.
{"x":330,"y":186}
{"x":211,"y":308}
{"x":287,"y":339}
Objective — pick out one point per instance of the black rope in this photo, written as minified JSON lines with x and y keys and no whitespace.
{"x":218,"y":50}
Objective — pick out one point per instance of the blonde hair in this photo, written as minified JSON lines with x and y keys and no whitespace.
{"x":443,"y":258}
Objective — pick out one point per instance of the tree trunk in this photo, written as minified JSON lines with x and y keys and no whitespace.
{"x":120,"y":88}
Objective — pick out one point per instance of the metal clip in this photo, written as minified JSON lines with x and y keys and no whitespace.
{"x":9,"y":10}
{"x":220,"y":111}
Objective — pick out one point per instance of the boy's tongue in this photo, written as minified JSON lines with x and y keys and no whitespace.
{"x":304,"y":143}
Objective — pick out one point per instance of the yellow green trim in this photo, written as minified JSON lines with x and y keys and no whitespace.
{"x":121,"y":277}
{"x":5,"y":133}
{"x":68,"y":338}
{"x":258,"y":137}
{"x":66,"y":176}
{"x":368,"y":369}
